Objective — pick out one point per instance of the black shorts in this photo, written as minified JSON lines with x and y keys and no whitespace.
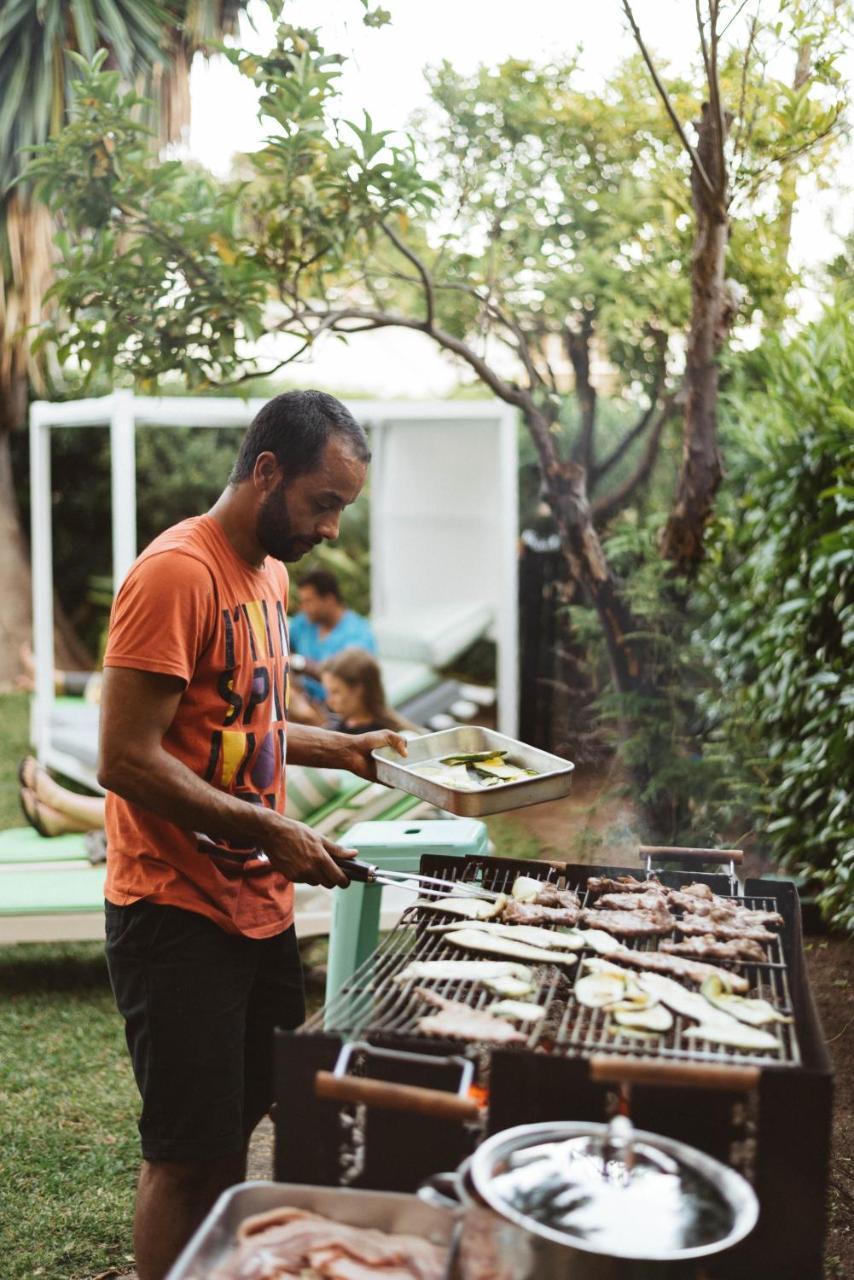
{"x":200,"y":1009}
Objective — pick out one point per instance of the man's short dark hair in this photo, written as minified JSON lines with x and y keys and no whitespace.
{"x":323,"y":582}
{"x":296,"y":427}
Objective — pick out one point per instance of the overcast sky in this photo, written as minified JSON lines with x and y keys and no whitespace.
{"x":384,"y":74}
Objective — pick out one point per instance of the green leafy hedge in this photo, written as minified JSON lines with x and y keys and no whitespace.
{"x":781,"y":582}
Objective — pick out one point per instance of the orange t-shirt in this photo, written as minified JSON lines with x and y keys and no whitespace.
{"x":191,"y":607}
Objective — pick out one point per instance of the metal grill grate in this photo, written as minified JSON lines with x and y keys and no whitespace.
{"x":372,"y":1003}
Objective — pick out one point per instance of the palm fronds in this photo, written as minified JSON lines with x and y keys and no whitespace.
{"x":152,"y":44}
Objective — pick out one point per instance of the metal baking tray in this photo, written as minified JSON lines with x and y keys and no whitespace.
{"x":385,"y":1210}
{"x":554,"y":781}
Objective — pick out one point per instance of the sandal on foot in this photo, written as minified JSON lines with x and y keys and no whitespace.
{"x":28,"y":771}
{"x":41,"y":817}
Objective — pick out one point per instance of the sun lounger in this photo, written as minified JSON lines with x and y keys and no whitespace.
{"x":49,"y":892}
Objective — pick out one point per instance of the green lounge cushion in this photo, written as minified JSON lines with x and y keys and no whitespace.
{"x":307,"y":789}
{"x":25,"y":845}
{"x":43,"y":890}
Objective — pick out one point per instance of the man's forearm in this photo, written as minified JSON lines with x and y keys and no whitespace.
{"x":322,"y":748}
{"x":167,"y":787}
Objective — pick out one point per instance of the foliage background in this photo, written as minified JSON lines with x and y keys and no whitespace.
{"x":779,"y":591}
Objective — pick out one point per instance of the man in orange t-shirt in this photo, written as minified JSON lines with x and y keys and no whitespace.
{"x":201,"y":857}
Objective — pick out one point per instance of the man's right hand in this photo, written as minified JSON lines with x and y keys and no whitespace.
{"x":304,"y":856}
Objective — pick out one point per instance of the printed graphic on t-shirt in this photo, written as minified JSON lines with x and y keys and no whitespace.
{"x":247,"y":754}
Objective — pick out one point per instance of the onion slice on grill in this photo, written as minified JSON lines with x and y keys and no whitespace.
{"x":479,"y":940}
{"x":735,"y":1035}
{"x":754,"y":1011}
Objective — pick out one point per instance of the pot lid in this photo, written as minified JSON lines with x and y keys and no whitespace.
{"x":611,"y":1189}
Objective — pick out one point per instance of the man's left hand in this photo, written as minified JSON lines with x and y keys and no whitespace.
{"x":358,"y":751}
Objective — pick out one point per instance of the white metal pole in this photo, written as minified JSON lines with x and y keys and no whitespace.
{"x":42,"y":578}
{"x":123,"y":484}
{"x":508,"y":608}
{"x":378,"y":550}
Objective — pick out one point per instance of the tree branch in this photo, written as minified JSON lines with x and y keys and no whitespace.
{"x":754,"y":177}
{"x":506,"y":391}
{"x":412,"y":257}
{"x":743,"y":5}
{"x":611,"y":503}
{"x":625,"y":444}
{"x":703,"y":45}
{"x":742,"y":97}
{"x":668,"y":105}
{"x":619,"y":452}
{"x":715,"y":95}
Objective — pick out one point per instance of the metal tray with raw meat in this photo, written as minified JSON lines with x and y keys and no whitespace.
{"x":385,"y":1210}
{"x":553,"y":781}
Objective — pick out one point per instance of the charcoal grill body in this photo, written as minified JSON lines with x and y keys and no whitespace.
{"x":781,"y":1130}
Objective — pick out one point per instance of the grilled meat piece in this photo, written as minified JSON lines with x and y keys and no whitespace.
{"x":699,"y":890}
{"x":726,"y":910}
{"x":551,"y":896}
{"x":729,"y":928}
{"x":733,"y":913}
{"x":458,"y":1021}
{"x":684,"y":901}
{"x":533,"y":913}
{"x":631,"y":924}
{"x":655,"y":900}
{"x":623,"y":884}
{"x":542,"y":892}
{"x":662,"y":962}
{"x":708,"y":947}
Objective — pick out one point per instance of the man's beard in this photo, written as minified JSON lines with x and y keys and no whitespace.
{"x":274,"y":529}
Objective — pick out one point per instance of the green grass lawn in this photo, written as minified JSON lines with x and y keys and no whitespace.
{"x":15,"y":719}
{"x":68,"y":1116}
{"x":68,"y":1102}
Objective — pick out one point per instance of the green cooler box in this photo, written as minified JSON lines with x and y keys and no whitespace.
{"x":393,"y":846}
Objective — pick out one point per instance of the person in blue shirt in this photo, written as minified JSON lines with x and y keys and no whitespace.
{"x":323,"y":627}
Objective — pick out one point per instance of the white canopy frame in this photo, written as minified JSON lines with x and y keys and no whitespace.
{"x":123,"y":412}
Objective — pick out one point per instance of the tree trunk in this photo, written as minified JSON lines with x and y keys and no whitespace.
{"x":589,"y":567}
{"x":566,"y":492}
{"x":16,"y":615}
{"x":578,"y":349}
{"x":710,"y":318}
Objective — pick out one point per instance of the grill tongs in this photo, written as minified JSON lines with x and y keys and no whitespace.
{"x":425,"y":886}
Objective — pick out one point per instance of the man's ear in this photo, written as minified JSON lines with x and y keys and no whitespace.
{"x":267,"y":472}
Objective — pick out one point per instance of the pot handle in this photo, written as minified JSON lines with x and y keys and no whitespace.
{"x":612,"y":1068}
{"x":388,"y":1096}
{"x":442,"y":1191}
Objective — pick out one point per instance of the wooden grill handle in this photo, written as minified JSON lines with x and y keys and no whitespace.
{"x":673,"y":853}
{"x":395,"y":1097}
{"x":613,"y":1068}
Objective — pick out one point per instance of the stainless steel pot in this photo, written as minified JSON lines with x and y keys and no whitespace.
{"x":579,"y":1201}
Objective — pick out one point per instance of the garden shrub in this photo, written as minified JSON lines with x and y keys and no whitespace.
{"x":780,"y":582}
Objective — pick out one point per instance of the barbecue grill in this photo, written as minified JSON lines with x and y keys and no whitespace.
{"x":398,"y":1107}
